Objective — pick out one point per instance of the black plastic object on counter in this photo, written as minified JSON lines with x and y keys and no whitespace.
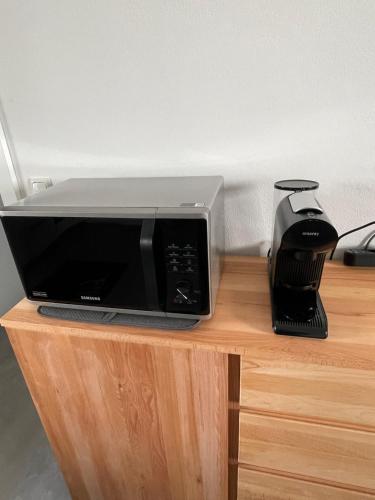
{"x":302,"y":237}
{"x":360,"y":257}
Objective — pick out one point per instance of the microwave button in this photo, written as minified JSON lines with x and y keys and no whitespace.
{"x":174,"y":268}
{"x":173,"y":246}
{"x":190,"y":269}
{"x":189,"y":254}
{"x":190,"y":261}
{"x":174,"y":261}
{"x":188,"y":246}
{"x":173,"y":253}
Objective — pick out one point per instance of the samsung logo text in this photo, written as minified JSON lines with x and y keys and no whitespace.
{"x":89,"y":297}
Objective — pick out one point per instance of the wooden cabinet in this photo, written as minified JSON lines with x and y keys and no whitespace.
{"x":328,"y":454}
{"x":307,"y":408}
{"x":228,"y":410}
{"x":311,"y":389}
{"x":130,"y":421}
{"x":258,"y":485}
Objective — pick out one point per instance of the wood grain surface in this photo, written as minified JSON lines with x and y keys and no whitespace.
{"x":242,"y":320}
{"x":234,"y":365}
{"x":322,"y":452}
{"x":314,"y":391}
{"x":121,"y":402}
{"x":259,"y":485}
{"x":128,"y":421}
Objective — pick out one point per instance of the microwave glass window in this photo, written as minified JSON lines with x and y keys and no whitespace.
{"x":92,"y":261}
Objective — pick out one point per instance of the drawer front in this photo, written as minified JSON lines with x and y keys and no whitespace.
{"x":334,"y":394}
{"x":315,"y":451}
{"x":256,"y":485}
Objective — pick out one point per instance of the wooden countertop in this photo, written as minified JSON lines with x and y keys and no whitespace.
{"x":242,"y":319}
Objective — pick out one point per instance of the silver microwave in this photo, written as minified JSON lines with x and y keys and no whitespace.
{"x":131,"y":245}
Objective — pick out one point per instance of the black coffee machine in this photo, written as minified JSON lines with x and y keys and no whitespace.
{"x":302,"y":237}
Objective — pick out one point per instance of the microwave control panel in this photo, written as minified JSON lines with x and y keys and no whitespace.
{"x":186,"y":266}
{"x":183,"y":275}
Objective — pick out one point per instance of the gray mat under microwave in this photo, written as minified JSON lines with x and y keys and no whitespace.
{"x":109,"y":318}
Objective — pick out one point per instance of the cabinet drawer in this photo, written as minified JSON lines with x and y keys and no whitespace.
{"x":323,"y":452}
{"x":256,"y":485}
{"x":334,"y":394}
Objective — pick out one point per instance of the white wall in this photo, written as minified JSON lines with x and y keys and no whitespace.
{"x":255,"y":90}
{"x":6,"y":188}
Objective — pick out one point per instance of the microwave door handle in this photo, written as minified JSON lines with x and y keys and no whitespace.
{"x":148,"y":262}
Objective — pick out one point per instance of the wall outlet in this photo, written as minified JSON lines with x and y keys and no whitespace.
{"x":37,"y":184}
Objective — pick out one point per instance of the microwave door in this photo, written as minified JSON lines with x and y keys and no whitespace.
{"x":85,"y":261}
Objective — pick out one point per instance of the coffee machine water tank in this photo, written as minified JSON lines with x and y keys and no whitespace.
{"x":302,"y":237}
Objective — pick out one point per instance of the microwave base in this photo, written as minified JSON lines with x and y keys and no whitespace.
{"x":113,"y":318}
{"x":136,"y":312}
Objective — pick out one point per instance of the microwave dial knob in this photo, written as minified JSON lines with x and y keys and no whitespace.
{"x":183,"y":289}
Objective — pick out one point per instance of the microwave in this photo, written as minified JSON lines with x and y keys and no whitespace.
{"x":150,"y":246}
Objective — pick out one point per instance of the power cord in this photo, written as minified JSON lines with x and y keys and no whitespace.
{"x":350,"y":232}
{"x":369,"y":241}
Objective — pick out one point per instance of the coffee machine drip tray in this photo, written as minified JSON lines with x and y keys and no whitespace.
{"x":315,"y":327}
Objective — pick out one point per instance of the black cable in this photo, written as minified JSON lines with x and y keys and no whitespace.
{"x":349,"y":232}
{"x":369,"y":241}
